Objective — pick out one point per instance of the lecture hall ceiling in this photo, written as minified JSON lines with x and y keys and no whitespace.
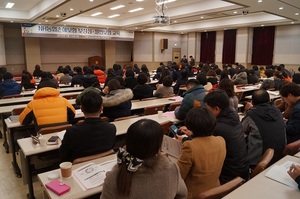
{"x":185,"y":15}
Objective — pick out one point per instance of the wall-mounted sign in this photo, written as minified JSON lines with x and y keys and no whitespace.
{"x":67,"y":32}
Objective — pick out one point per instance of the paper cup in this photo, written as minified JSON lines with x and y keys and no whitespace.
{"x":160,"y":113}
{"x":66,"y":169}
{"x":43,"y":142}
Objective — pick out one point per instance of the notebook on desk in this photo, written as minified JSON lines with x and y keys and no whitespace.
{"x":171,"y":146}
{"x":14,"y":118}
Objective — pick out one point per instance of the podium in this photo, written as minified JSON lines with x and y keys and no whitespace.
{"x":95,"y":60}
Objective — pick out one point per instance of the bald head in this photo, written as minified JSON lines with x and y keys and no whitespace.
{"x":260,"y":96}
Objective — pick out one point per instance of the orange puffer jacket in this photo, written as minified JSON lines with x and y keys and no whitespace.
{"x":101,"y":76}
{"x":47,"y":108}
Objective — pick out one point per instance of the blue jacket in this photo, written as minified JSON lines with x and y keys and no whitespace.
{"x":9,"y":87}
{"x":293,"y":124}
{"x":191,"y":98}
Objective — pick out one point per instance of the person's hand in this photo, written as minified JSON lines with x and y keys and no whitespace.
{"x":184,"y":130}
{"x":248,"y":106}
{"x":294,"y":171}
{"x":179,"y":138}
{"x":106,"y":90}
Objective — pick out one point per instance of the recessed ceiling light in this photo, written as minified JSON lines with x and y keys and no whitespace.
{"x":139,"y":0}
{"x":164,"y":2}
{"x":136,"y":28}
{"x":87,"y":26}
{"x":96,"y":14}
{"x":46,"y":21}
{"x":57,"y":15}
{"x":175,"y":21}
{"x":235,"y":12}
{"x":225,"y":28}
{"x":259,"y":1}
{"x":9,"y":5}
{"x":262,"y":25}
{"x":297,"y":13}
{"x":135,"y":10}
{"x":71,"y":9}
{"x":281,"y":8}
{"x":292,"y":22}
{"x":117,"y":7}
{"x":40,"y":23}
{"x":202,"y":17}
{"x":11,"y":21}
{"x":113,"y":16}
{"x":91,"y":0}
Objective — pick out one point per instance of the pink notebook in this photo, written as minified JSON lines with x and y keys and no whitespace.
{"x":58,"y":187}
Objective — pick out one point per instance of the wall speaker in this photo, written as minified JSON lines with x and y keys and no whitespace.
{"x":163,"y":44}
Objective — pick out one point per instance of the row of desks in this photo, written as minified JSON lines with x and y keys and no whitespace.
{"x":28,"y":149}
{"x":258,"y":187}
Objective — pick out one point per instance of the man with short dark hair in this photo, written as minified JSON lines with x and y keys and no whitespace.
{"x":142,"y":90}
{"x":264,"y":126}
{"x":193,"y":97}
{"x":290,"y":93}
{"x":230,"y":128}
{"x":93,"y":135}
{"x":9,"y":86}
{"x":78,"y":75}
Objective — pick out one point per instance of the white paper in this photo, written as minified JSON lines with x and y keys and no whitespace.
{"x":61,"y":134}
{"x":279,"y":174}
{"x":171,"y":146}
{"x":92,"y":175}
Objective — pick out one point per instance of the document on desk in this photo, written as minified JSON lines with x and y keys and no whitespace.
{"x":171,"y":146}
{"x":279,"y":174}
{"x":61,"y":134}
{"x":92,"y":175}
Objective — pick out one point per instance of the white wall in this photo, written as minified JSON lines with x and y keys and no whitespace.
{"x":241,"y":52}
{"x":219,"y":46}
{"x":287,"y":45}
{"x":166,"y":55}
{"x":2,"y":47}
{"x":143,"y":47}
{"x":123,"y":51}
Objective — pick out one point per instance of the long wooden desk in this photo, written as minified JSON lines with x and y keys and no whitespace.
{"x":75,"y":191}
{"x":266,"y":188}
{"x":29,"y":149}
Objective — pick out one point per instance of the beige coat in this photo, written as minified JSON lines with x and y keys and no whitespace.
{"x":201,"y":162}
{"x":157,"y":178}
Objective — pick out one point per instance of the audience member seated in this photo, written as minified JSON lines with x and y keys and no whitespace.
{"x":136,"y":69}
{"x":269,"y":82}
{"x":66,"y":78}
{"x":110,"y":75}
{"x":117,"y":101}
{"x":263,"y":124}
{"x":181,"y":80}
{"x":47,"y":107}
{"x":228,"y":86}
{"x":201,"y":158}
{"x":100,"y":74}
{"x":37,"y":71}
{"x":3,"y":70}
{"x":142,"y":171}
{"x":130,"y":80}
{"x":90,"y":137}
{"x":78,"y":75}
{"x":294,"y":172}
{"x":47,"y":80}
{"x":193,"y":97}
{"x":142,"y":90}
{"x":290,"y":93}
{"x":25,"y":82}
{"x":9,"y":86}
{"x":166,"y":89}
{"x":176,"y":72}
{"x":165,"y":72}
{"x":31,"y":78}
{"x":240,"y":77}
{"x":211,"y":77}
{"x":144,"y":69}
{"x":252,"y":77}
{"x":89,"y":79}
{"x":230,"y":128}
{"x":278,"y":80}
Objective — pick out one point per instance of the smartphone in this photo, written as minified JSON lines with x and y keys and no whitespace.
{"x":53,"y":140}
{"x":174,"y":129}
